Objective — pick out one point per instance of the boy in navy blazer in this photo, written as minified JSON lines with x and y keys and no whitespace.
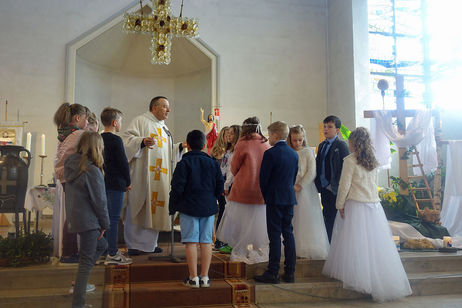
{"x":277,"y":178}
{"x":329,"y":163}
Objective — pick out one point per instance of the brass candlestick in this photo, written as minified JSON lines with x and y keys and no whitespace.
{"x":41,"y":169}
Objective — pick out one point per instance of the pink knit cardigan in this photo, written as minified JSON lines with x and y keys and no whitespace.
{"x":245,"y":166}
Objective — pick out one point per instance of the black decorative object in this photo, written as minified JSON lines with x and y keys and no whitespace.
{"x":13,"y":181}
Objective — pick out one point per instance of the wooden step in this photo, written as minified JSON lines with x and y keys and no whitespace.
{"x":425,"y":200}
{"x":171,"y":294}
{"x":46,"y":298}
{"x":411,"y":177}
{"x":45,"y":276}
{"x":421,"y":188}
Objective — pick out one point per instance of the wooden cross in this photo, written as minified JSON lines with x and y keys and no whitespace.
{"x":157,"y":169}
{"x":155,"y":202}
{"x":400,"y":113}
{"x":158,"y":137}
{"x":162,"y":26}
{"x":4,"y":182}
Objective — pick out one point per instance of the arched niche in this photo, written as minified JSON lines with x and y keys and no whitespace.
{"x":108,"y":67}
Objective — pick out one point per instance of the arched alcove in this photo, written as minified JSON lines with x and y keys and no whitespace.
{"x":108,"y":67}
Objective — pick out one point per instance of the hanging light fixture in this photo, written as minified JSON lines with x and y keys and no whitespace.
{"x":162,"y":27}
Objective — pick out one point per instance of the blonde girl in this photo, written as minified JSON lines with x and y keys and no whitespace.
{"x":86,"y":207}
{"x":309,"y":230}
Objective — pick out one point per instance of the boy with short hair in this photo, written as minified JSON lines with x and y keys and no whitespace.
{"x":329,"y":163}
{"x":197,"y":183}
{"x":278,"y":172}
{"x":116,"y":178}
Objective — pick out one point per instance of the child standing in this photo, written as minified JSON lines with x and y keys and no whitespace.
{"x":329,"y":162}
{"x":309,"y":229}
{"x":71,"y":121}
{"x":277,"y":178}
{"x":86,"y":207}
{"x":116,"y":179}
{"x":243,"y":225}
{"x":363,"y":254}
{"x":197,"y":183}
{"x":232,"y":136}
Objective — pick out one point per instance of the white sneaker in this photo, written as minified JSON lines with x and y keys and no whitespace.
{"x":90,"y":288}
{"x":192,"y":283}
{"x":117,"y":259}
{"x":204,"y":282}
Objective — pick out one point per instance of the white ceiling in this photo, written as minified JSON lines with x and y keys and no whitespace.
{"x":120,"y":52}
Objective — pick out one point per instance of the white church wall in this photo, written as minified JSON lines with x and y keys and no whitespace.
{"x":192,"y":91}
{"x":348,"y":57}
{"x":97,"y":88}
{"x":272,"y":58}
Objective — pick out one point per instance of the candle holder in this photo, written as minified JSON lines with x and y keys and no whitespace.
{"x":41,"y":169}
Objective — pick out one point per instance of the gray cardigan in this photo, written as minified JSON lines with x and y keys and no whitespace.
{"x":86,"y":205}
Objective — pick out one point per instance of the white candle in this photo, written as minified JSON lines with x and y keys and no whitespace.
{"x":42,"y":139}
{"x":28,"y":140}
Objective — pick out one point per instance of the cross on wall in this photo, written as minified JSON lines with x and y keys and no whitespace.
{"x":400,"y":113}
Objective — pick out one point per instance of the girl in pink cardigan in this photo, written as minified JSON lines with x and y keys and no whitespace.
{"x":243,"y":225}
{"x":71,"y":121}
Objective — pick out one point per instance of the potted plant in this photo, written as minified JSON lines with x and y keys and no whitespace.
{"x":26,"y":249}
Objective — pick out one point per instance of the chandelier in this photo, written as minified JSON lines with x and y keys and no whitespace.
{"x":162,"y":27}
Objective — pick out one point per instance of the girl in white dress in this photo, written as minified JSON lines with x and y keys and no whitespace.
{"x":362,"y":252}
{"x":310,"y":233}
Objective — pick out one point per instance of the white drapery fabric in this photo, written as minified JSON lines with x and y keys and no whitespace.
{"x":451,"y":214}
{"x":419,"y":133}
{"x":381,"y":145}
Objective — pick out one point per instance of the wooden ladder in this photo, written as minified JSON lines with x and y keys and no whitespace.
{"x":417,"y":177}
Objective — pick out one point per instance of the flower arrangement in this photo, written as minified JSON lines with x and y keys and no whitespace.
{"x":394,"y":204}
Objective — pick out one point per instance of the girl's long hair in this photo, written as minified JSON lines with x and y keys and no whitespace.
{"x":219,"y":147}
{"x":362,"y":146}
{"x":295,"y":130}
{"x":63,"y":116}
{"x":90,"y":146}
{"x":250,"y":126}
{"x":237,"y":134}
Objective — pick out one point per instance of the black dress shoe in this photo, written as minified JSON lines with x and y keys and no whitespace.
{"x":267,"y":277}
{"x":289,"y":278}
{"x":158,"y":250}
{"x":136,"y":252}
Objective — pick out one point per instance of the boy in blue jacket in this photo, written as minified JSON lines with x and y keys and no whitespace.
{"x":197,"y":183}
{"x":278,"y":172}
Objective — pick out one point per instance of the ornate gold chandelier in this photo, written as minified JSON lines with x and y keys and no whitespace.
{"x":162,"y":26}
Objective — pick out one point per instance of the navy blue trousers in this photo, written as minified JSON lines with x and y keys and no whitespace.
{"x":279,"y":221}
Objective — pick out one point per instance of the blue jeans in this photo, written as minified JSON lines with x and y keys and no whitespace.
{"x":90,"y":250}
{"x":114,"y":207}
{"x":279,"y":221}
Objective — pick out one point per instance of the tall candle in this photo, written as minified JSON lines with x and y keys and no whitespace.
{"x":28,"y":140}
{"x":42,"y":139}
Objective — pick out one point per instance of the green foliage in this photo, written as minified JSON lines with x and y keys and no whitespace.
{"x":26,"y":249}
{"x":394,"y":204}
{"x":345,"y":132}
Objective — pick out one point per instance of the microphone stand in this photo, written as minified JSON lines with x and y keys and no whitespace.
{"x":172,"y":230}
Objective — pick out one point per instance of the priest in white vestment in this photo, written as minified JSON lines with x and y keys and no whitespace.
{"x":152,"y":156}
